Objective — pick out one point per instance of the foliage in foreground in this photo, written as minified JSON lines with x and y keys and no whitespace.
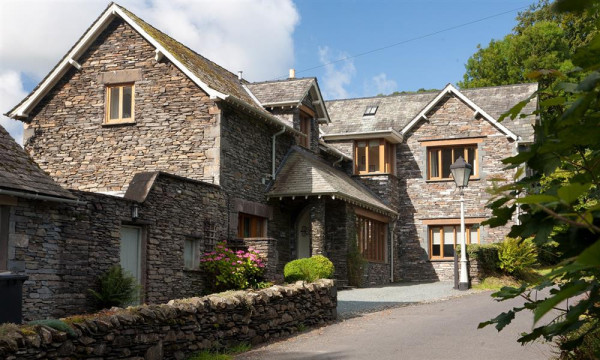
{"x":232,"y":270}
{"x":308,"y":269}
{"x":116,"y":288}
{"x":560,"y":203}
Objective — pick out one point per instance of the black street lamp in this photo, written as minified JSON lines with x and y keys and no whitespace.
{"x":461,"y":171}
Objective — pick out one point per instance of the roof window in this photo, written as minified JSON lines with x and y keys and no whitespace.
{"x":370,"y":110}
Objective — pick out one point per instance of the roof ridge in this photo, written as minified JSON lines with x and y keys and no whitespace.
{"x":497,"y":86}
{"x":280,"y":81}
{"x":386,"y":96}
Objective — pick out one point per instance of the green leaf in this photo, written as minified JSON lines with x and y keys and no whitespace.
{"x":570,"y":193}
{"x":591,"y":255}
{"x":564,"y":293}
{"x":501,"y":320}
{"x":553,"y":101}
{"x":536,"y":199}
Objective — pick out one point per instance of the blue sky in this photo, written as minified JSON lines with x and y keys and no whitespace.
{"x":265,"y":38}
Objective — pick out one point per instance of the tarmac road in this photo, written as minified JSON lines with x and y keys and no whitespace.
{"x":441,"y":330}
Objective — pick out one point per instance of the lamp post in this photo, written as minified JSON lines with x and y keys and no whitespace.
{"x":461,"y":171}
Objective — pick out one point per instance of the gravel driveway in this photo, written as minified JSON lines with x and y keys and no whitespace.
{"x":354,"y":302}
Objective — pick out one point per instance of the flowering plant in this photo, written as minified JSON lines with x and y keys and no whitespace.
{"x":228,"y":270}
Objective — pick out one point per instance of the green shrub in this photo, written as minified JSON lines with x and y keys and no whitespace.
{"x":516,"y":255}
{"x":308,"y":269}
{"x":486,"y":255}
{"x":226,"y":269}
{"x":116,"y":288}
{"x":589,"y":347}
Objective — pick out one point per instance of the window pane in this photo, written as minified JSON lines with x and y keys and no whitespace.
{"x":435,"y":242}
{"x":374,"y":155}
{"x":127,"y":102}
{"x":446,"y":162}
{"x":458,"y":152}
{"x":473,"y":235}
{"x":434,"y":168}
{"x":188,"y":254}
{"x":246,"y":226}
{"x":114,"y":102}
{"x":471,"y":157}
{"x":361,"y":155}
{"x":448,"y":241}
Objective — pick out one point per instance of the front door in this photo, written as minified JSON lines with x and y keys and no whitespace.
{"x":303,"y":234}
{"x":131,"y":251}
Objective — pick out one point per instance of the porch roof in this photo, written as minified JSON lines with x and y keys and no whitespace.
{"x":303,"y":174}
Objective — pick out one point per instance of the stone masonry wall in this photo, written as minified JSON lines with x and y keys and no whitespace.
{"x":176,"y":126}
{"x":178,"y":329}
{"x":63,"y":248}
{"x":421,"y":199}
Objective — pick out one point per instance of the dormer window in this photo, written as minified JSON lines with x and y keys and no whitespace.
{"x":119,"y":103}
{"x":370,"y":110}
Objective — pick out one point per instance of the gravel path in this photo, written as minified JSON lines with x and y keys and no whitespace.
{"x":352,"y":303}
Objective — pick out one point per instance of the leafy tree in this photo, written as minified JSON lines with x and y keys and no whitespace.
{"x":560,"y":203}
{"x":542,"y":39}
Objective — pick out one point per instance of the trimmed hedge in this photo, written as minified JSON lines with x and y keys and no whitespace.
{"x":308,"y":269}
{"x":485,"y":254}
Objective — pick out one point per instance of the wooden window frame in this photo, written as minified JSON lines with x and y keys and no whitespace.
{"x":456,"y":239}
{"x":120,"y":119}
{"x":437,"y":151}
{"x":258,"y":226}
{"x":386,"y":151}
{"x":372,"y":239}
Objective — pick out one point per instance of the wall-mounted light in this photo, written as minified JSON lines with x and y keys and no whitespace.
{"x":135,"y":211}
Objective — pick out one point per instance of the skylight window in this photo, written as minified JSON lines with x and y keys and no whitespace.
{"x":370,"y":110}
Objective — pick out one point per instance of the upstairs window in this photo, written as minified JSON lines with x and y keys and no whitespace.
{"x":370,"y":110}
{"x":373,"y":156}
{"x":120,"y":103}
{"x":251,"y":226}
{"x":305,"y":128}
{"x":439,"y":160}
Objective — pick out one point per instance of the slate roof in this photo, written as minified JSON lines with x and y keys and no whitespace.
{"x":290,"y":90}
{"x":396,"y":111}
{"x":303,"y":174}
{"x":18,"y":172}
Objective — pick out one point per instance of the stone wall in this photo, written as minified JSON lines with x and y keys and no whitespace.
{"x":178,"y":329}
{"x":63,"y":248}
{"x":176,"y":126}
{"x":421,"y":199}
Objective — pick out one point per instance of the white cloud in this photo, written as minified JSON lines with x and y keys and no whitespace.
{"x":250,"y":35}
{"x":338,"y":74}
{"x":11,"y":92}
{"x":382,"y":85}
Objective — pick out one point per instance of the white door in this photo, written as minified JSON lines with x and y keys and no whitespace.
{"x":131,"y":251}
{"x":303,"y":235}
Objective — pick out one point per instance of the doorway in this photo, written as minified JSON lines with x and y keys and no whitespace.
{"x":131,"y":252}
{"x":303,"y":234}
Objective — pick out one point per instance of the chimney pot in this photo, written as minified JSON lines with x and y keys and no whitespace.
{"x":240,"y":75}
{"x":292,"y":73}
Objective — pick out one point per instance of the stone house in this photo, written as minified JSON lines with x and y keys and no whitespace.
{"x":164,"y":152}
{"x":403,"y":147}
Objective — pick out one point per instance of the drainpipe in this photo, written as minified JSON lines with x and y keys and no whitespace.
{"x":37,"y":196}
{"x":338,"y":161}
{"x":392,"y":251}
{"x":273,"y":158}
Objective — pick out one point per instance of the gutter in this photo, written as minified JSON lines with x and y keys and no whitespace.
{"x":273,"y":154}
{"x":38,"y":196}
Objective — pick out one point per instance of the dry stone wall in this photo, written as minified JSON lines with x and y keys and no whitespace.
{"x":181,"y":327}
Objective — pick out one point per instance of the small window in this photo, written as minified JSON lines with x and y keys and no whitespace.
{"x":372,"y":236}
{"x":443,"y":239}
{"x":373,"y":156}
{"x":120,"y":103}
{"x":305,"y":128}
{"x":370,"y":110}
{"x":4,"y":213}
{"x":439,"y":160}
{"x":251,"y":226}
{"x":191,"y":253}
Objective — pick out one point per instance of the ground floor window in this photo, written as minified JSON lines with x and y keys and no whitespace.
{"x":4,"y":211}
{"x":372,"y":236}
{"x":192,"y":248}
{"x":443,"y":239}
{"x":250,"y":226}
